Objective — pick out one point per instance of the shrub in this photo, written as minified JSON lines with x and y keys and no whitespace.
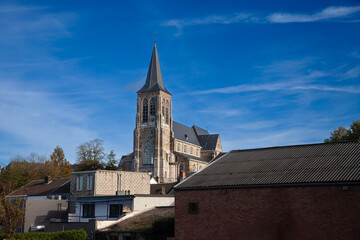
{"x":65,"y":235}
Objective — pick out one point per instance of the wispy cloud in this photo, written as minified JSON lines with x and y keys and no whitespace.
{"x":280,"y":86}
{"x":333,"y":13}
{"x":325,"y":14}
{"x":213,"y":19}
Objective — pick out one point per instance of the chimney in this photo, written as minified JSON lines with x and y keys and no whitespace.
{"x":47,"y":179}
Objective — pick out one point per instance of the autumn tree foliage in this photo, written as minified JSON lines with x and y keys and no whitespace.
{"x":57,"y":166}
{"x":343,"y":134}
{"x":11,"y":216}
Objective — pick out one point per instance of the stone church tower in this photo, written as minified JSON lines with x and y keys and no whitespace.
{"x":153,"y":133}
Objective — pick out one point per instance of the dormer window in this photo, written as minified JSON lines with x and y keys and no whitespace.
{"x":186,"y":137}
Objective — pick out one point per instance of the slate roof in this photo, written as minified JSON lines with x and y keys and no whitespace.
{"x":40,"y":188}
{"x":154,"y":79}
{"x":208,"y":142}
{"x":142,"y":221}
{"x":325,"y":163}
{"x":181,"y":132}
{"x":200,"y":131}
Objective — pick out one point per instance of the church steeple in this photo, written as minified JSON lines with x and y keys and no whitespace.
{"x":154,"y":79}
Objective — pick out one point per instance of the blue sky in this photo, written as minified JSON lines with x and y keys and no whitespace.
{"x":261,"y":73}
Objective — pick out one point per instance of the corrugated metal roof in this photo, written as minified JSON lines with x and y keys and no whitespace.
{"x":299,"y":164}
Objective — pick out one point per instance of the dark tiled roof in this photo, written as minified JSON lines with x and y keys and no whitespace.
{"x":157,"y":188}
{"x":154,"y":79}
{"x":142,"y":221}
{"x":200,"y":131}
{"x":189,"y":156}
{"x":185,"y":133}
{"x":208,"y":142}
{"x":300,"y":164}
{"x":64,"y":189}
{"x":40,"y":188}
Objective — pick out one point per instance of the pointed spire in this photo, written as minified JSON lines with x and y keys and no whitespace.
{"x":154,"y":79}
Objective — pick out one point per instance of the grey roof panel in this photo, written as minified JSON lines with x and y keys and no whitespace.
{"x":208,"y":142}
{"x":200,"y":131}
{"x":300,"y":164}
{"x":154,"y":79}
{"x":185,"y":133}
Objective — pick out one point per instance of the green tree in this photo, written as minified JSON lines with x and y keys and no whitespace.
{"x":90,"y":155}
{"x":343,"y":134}
{"x":58,"y":166}
{"x":111,"y":161}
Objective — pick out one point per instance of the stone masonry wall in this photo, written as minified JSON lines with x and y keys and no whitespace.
{"x":278,"y":213}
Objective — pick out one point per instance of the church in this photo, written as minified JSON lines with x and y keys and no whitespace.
{"x":166,"y":149}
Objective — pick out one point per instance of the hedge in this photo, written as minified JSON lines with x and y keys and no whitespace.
{"x":65,"y":235}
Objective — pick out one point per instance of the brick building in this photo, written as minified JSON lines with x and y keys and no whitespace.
{"x":292,"y":192}
{"x":162,"y":146}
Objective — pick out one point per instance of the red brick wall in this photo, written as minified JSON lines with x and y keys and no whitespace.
{"x":283,"y":213}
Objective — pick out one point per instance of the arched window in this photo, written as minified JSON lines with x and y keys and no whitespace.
{"x":197,"y":152}
{"x":194,"y":168}
{"x":148,"y":153}
{"x":163,"y":108}
{"x":145,"y":110}
{"x":167,"y":112}
{"x":185,"y":148}
{"x":179,"y":147}
{"x":152,"y":107}
{"x":200,"y":168}
{"x":191,"y":150}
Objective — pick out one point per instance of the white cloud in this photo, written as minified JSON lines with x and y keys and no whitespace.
{"x":330,"y":13}
{"x":327,"y":13}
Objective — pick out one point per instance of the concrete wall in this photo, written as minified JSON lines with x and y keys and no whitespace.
{"x":144,"y":203}
{"x":296,"y":213}
{"x":39,"y":211}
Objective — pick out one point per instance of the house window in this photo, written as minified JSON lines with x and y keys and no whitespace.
{"x":89,"y":182}
{"x":148,"y":153}
{"x":115,"y":210}
{"x":179,"y":147}
{"x":191,"y":150}
{"x":79,"y":183}
{"x":88,"y":210}
{"x":185,"y":148}
{"x":193,"y":207}
{"x":194,"y":168}
{"x":197,"y":152}
{"x":145,"y":110}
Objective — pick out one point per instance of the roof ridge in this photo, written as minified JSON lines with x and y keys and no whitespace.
{"x":296,"y":145}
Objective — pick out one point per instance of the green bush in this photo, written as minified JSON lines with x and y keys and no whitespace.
{"x":65,"y":235}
